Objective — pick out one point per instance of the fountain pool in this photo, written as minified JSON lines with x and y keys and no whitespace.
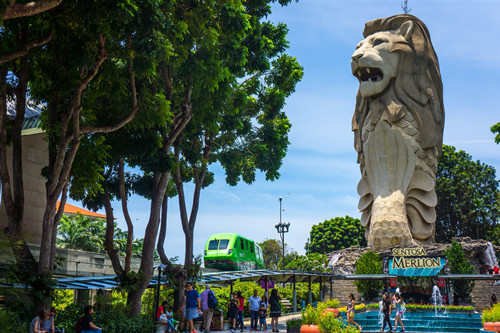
{"x":426,"y":322}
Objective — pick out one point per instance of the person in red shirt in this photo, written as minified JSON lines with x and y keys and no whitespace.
{"x":496,"y":270}
{"x":161,"y":309}
{"x":241,"y":306}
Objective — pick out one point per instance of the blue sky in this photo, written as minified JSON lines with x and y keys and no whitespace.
{"x":319,"y":174}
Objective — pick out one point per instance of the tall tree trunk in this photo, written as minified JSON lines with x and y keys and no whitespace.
{"x":126,"y":215}
{"x":163,"y":231}
{"x":160,"y":182}
{"x":199,"y":176}
{"x":110,"y":231}
{"x":57,"y":219}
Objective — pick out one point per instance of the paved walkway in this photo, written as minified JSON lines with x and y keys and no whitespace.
{"x":281,"y":323}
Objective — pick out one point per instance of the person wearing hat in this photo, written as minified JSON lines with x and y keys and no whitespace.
{"x":207,"y":311}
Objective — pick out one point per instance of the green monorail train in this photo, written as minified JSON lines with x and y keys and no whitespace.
{"x":232,"y":252}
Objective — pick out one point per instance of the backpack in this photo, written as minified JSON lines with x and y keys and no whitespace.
{"x":212,"y":300}
{"x":78,"y":327}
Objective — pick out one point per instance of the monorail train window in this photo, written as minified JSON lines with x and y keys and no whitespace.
{"x":223,"y":244}
{"x":213,"y":244}
{"x":242,"y":243}
{"x":251,"y":248}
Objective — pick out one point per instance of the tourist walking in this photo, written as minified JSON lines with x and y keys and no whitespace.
{"x":275,"y":309}
{"x":399,"y":312}
{"x":254,"y":303}
{"x":193,"y":305}
{"x":232,"y":312}
{"x":208,"y":312}
{"x":35,"y":326}
{"x":241,"y":307}
{"x":87,"y":324}
{"x":350,"y":312}
{"x":387,"y":304}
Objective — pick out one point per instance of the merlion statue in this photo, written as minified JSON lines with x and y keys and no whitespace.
{"x":398,"y":128}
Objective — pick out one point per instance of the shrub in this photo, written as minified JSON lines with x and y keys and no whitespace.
{"x":329,"y":323}
{"x":459,"y":265}
{"x":356,"y":308}
{"x":373,"y":306}
{"x":311,"y":315}
{"x":492,"y":315}
{"x":369,"y":263}
{"x":332,"y":303}
{"x":294,"y":322}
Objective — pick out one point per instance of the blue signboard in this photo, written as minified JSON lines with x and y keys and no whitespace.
{"x":417,"y":266}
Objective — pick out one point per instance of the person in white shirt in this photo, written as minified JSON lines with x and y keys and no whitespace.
{"x":254,"y":303}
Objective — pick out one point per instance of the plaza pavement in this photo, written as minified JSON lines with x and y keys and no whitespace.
{"x":281,"y":323}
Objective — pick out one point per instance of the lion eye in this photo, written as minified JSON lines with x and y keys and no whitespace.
{"x":378,"y":42}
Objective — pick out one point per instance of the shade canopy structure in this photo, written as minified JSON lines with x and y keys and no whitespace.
{"x":227,"y":278}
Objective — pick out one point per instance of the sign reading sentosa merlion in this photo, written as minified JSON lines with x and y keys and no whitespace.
{"x":398,"y":128}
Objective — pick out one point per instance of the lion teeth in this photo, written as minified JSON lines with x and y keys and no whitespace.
{"x":368,"y":70}
{"x":359,"y":73}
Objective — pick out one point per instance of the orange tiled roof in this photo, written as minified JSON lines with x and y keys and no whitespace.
{"x":70,"y":209}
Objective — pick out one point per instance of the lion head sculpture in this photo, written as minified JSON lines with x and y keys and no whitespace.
{"x":417,"y":83}
{"x":398,"y":124}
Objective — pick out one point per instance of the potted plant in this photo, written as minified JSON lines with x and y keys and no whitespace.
{"x":311,"y":317}
{"x":293,"y":325}
{"x":332,"y":306}
{"x":491,"y":318}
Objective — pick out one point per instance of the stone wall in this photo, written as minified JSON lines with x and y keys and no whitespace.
{"x":35,"y":157}
{"x":481,"y":294}
{"x":341,"y":290}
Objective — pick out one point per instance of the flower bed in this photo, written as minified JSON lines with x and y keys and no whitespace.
{"x":319,"y":320}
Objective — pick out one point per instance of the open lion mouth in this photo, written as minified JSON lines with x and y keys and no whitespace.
{"x":369,"y":74}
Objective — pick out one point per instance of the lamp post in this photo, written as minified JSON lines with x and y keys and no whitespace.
{"x":282,"y":227}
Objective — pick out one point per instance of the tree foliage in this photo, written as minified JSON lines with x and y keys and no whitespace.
{"x":313,"y":262}
{"x":459,"y":265}
{"x":210,"y":80}
{"x":336,"y":234}
{"x":83,"y":233}
{"x":272,"y":251}
{"x":468,"y":197}
{"x":369,"y":263}
{"x":495,"y":129}
{"x":80,"y":41}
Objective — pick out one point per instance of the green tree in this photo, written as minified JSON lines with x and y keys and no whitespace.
{"x":81,"y":233}
{"x":313,"y":262}
{"x":83,"y":37}
{"x":369,"y":263}
{"x":87,"y":234}
{"x":336,"y":234}
{"x":495,"y":235}
{"x":459,"y":265}
{"x":241,"y":123}
{"x":272,"y":252}
{"x":468,"y":197}
{"x":218,"y":83}
{"x":495,"y":129}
